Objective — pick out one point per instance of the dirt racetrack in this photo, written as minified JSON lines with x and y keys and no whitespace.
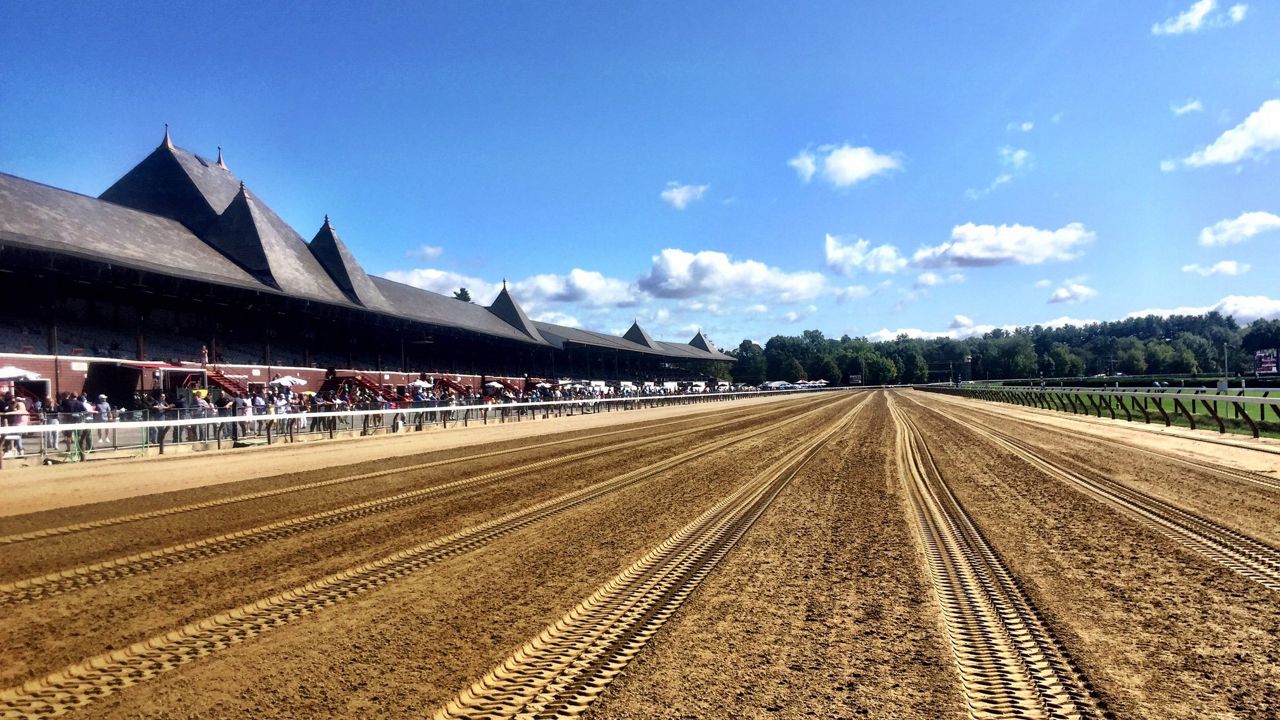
{"x":887,"y":554}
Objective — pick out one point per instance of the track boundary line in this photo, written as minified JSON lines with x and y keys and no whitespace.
{"x":191,"y":507}
{"x":563,"y":669}
{"x":39,"y":587}
{"x":1245,"y":555}
{"x":106,"y":674}
{"x":1009,"y":661}
{"x":1228,"y":473}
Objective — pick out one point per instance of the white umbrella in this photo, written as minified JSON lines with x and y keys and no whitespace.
{"x":9,"y":372}
{"x":543,"y":385}
{"x":420,"y":383}
{"x":288,"y":381}
{"x":492,"y":384}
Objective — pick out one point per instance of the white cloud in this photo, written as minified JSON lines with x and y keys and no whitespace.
{"x":680,"y":196}
{"x":1024,"y":126}
{"x":587,"y":287}
{"x":932,"y":279}
{"x":852,"y":292}
{"x":1225,"y":267}
{"x":1190,"y":106}
{"x":1196,"y":17}
{"x":1245,"y":308}
{"x":1065,"y":320}
{"x":757,"y":309}
{"x":1258,"y":135}
{"x":445,"y":282}
{"x":425,"y":252}
{"x":557,"y":318}
{"x":1072,"y":292}
{"x":795,"y":316}
{"x":1046,"y":282}
{"x":978,"y":245}
{"x":843,"y":165}
{"x":1057,"y":118}
{"x":1014,"y":160}
{"x":848,"y":259}
{"x":679,"y":274}
{"x":1014,"y":157}
{"x":1237,"y":230}
{"x":805,"y":165}
{"x":961,"y":327}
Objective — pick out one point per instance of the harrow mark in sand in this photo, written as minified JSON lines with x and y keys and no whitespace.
{"x":1229,"y":473}
{"x":1236,"y":551}
{"x":106,"y":674}
{"x":1010,"y":663}
{"x":165,"y":512}
{"x":566,"y":667}
{"x":94,"y":574}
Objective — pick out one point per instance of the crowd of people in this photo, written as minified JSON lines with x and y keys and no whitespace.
{"x":309,"y":411}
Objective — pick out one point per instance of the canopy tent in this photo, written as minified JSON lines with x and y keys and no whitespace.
{"x":9,"y":372}
{"x":421,"y":384}
{"x":288,"y":381}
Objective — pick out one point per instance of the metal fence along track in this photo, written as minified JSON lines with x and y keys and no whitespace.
{"x":106,"y":674}
{"x":564,"y":669}
{"x":1009,"y":661}
{"x":84,"y":576}
{"x":150,"y":515}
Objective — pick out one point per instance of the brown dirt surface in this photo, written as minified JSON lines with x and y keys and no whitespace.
{"x":822,"y":609}
{"x":404,"y":649}
{"x":1159,"y":631}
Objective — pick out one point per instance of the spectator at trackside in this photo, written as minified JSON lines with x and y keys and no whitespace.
{"x":102,"y":414}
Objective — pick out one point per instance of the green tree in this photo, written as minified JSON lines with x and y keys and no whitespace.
{"x":750,"y":366}
{"x":792,"y":371}
{"x":880,"y":370}
{"x":1131,"y":356}
{"x":462,"y":294}
{"x":823,"y":367}
{"x":1261,"y":335}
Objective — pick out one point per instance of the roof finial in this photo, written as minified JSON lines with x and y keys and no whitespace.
{"x":504,"y":283}
{"x":221,"y":163}
{"x":241,"y":187}
{"x":167,"y":141}
{"x":326,"y":219}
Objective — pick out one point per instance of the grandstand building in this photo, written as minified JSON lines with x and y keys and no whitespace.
{"x":180,"y":274}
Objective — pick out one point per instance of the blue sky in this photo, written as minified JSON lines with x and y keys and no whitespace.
{"x":859,"y":168}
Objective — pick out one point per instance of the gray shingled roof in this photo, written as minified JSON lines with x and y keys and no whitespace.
{"x":637,"y":335}
{"x":46,"y":218}
{"x":342,"y":267}
{"x":509,"y":311}
{"x":429,"y":307}
{"x":559,"y":335}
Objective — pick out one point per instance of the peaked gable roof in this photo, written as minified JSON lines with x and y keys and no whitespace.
{"x":637,"y":335}
{"x":509,"y":311}
{"x":701,"y":342}
{"x":165,"y":184}
{"x":337,"y":260}
{"x":257,"y":239}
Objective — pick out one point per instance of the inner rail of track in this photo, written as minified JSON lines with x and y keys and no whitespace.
{"x":1097,"y":400}
{"x":1229,"y":548}
{"x":559,"y":673}
{"x":97,"y":677}
{"x":1230,"y":473}
{"x":1009,"y":661}
{"x":75,"y":578}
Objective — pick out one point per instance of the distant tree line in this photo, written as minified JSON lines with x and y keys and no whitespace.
{"x":1180,"y":344}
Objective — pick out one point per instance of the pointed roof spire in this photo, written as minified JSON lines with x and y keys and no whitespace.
{"x":326,"y":220}
{"x":168,"y":142}
{"x":221,"y":163}
{"x":242,"y":187}
{"x":637,"y":335}
{"x":504,"y":283}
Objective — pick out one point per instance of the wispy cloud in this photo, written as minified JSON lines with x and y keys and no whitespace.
{"x":1199,"y":16}
{"x":1072,"y":292}
{"x":1190,"y":106}
{"x":1225,"y":267}
{"x":1244,"y":308}
{"x":1015,"y":162}
{"x":1022,"y":126}
{"x":425,"y":252}
{"x":1258,"y":135}
{"x":842,"y":165}
{"x":1236,"y":230}
{"x":680,"y":196}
